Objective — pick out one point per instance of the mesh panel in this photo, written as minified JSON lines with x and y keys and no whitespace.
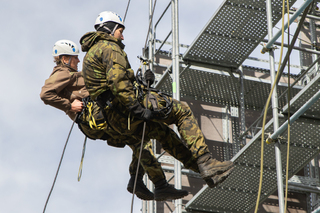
{"x":240,"y":189}
{"x":233,"y":32}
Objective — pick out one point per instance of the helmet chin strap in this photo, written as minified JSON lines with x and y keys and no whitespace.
{"x":108,"y":30}
{"x":69,"y":61}
{"x":114,"y":29}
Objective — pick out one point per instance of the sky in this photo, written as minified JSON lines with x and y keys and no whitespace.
{"x":33,"y":134}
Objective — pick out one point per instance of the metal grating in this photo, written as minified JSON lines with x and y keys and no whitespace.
{"x":219,"y":87}
{"x":238,"y":193}
{"x":307,"y":182}
{"x":233,"y":32}
{"x":314,"y":110}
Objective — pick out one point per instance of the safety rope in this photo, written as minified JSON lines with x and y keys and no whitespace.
{"x":82,"y":157}
{"x":142,"y":140}
{"x":92,"y":121}
{"x":289,"y":99}
{"x":265,"y":113}
{"x":125,"y":14}
{"x":55,"y":178}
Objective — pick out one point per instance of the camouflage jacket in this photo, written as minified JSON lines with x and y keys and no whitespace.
{"x":62,"y":87}
{"x":106,"y":67}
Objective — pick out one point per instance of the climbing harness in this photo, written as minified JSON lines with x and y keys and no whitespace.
{"x":90,"y":116}
{"x":138,"y":87}
{"x":104,"y":100}
{"x":162,"y":113}
{"x":55,"y":178}
{"x":92,"y":121}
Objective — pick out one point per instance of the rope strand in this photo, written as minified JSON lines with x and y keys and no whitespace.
{"x":55,"y":178}
{"x":142,"y":139}
{"x":82,"y":157}
{"x":125,"y":14}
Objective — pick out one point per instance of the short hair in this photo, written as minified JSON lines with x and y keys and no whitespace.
{"x":58,"y":59}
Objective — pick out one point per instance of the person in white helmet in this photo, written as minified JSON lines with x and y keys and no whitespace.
{"x":57,"y":90}
{"x":65,"y":90}
{"x":112,"y":83}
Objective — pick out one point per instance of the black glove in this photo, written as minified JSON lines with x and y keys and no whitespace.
{"x":149,"y":77}
{"x":147,"y":114}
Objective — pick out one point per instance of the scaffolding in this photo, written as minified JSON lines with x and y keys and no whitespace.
{"x":211,"y":70}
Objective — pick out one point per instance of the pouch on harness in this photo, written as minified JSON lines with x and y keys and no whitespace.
{"x":139,"y":88}
{"x":90,"y":120}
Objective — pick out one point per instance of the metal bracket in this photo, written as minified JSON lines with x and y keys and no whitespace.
{"x":265,"y":49}
{"x":270,"y":140}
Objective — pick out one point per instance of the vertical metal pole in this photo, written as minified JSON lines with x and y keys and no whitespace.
{"x":308,"y":195}
{"x":316,"y":176}
{"x":176,"y":89}
{"x":242,"y":109}
{"x":151,"y":205}
{"x":314,"y":197}
{"x":226,"y":133}
{"x":274,"y":100}
{"x":151,"y":41}
{"x":313,"y":37}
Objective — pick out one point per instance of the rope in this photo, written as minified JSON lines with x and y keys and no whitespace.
{"x":55,"y":178}
{"x":289,"y":98}
{"x":125,"y":14}
{"x":82,"y":157}
{"x":265,"y":114}
{"x":142,"y":140}
{"x":92,"y":121}
{"x":296,"y":80}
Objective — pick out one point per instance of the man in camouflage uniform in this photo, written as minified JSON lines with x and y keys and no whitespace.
{"x":65,"y":90}
{"x":171,"y":143}
{"x":111,"y":81}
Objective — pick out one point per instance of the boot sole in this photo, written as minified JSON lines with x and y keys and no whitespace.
{"x":140,"y":195}
{"x":170,"y":197}
{"x":216,"y":171}
{"x":214,"y":181}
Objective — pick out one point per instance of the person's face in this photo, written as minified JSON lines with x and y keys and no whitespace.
{"x":73,"y":61}
{"x":118,"y":34}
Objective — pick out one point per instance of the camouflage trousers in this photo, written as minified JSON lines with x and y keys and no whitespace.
{"x":132,"y":137}
{"x":180,"y":115}
{"x":170,"y":142}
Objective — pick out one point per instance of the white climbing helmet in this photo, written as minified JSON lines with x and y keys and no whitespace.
{"x":108,"y":16}
{"x":65,"y":47}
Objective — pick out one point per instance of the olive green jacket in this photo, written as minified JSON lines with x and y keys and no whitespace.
{"x":106,"y":67}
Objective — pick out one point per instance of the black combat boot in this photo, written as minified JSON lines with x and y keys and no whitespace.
{"x":141,"y":191}
{"x":164,"y":191}
{"x":214,"y":171}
